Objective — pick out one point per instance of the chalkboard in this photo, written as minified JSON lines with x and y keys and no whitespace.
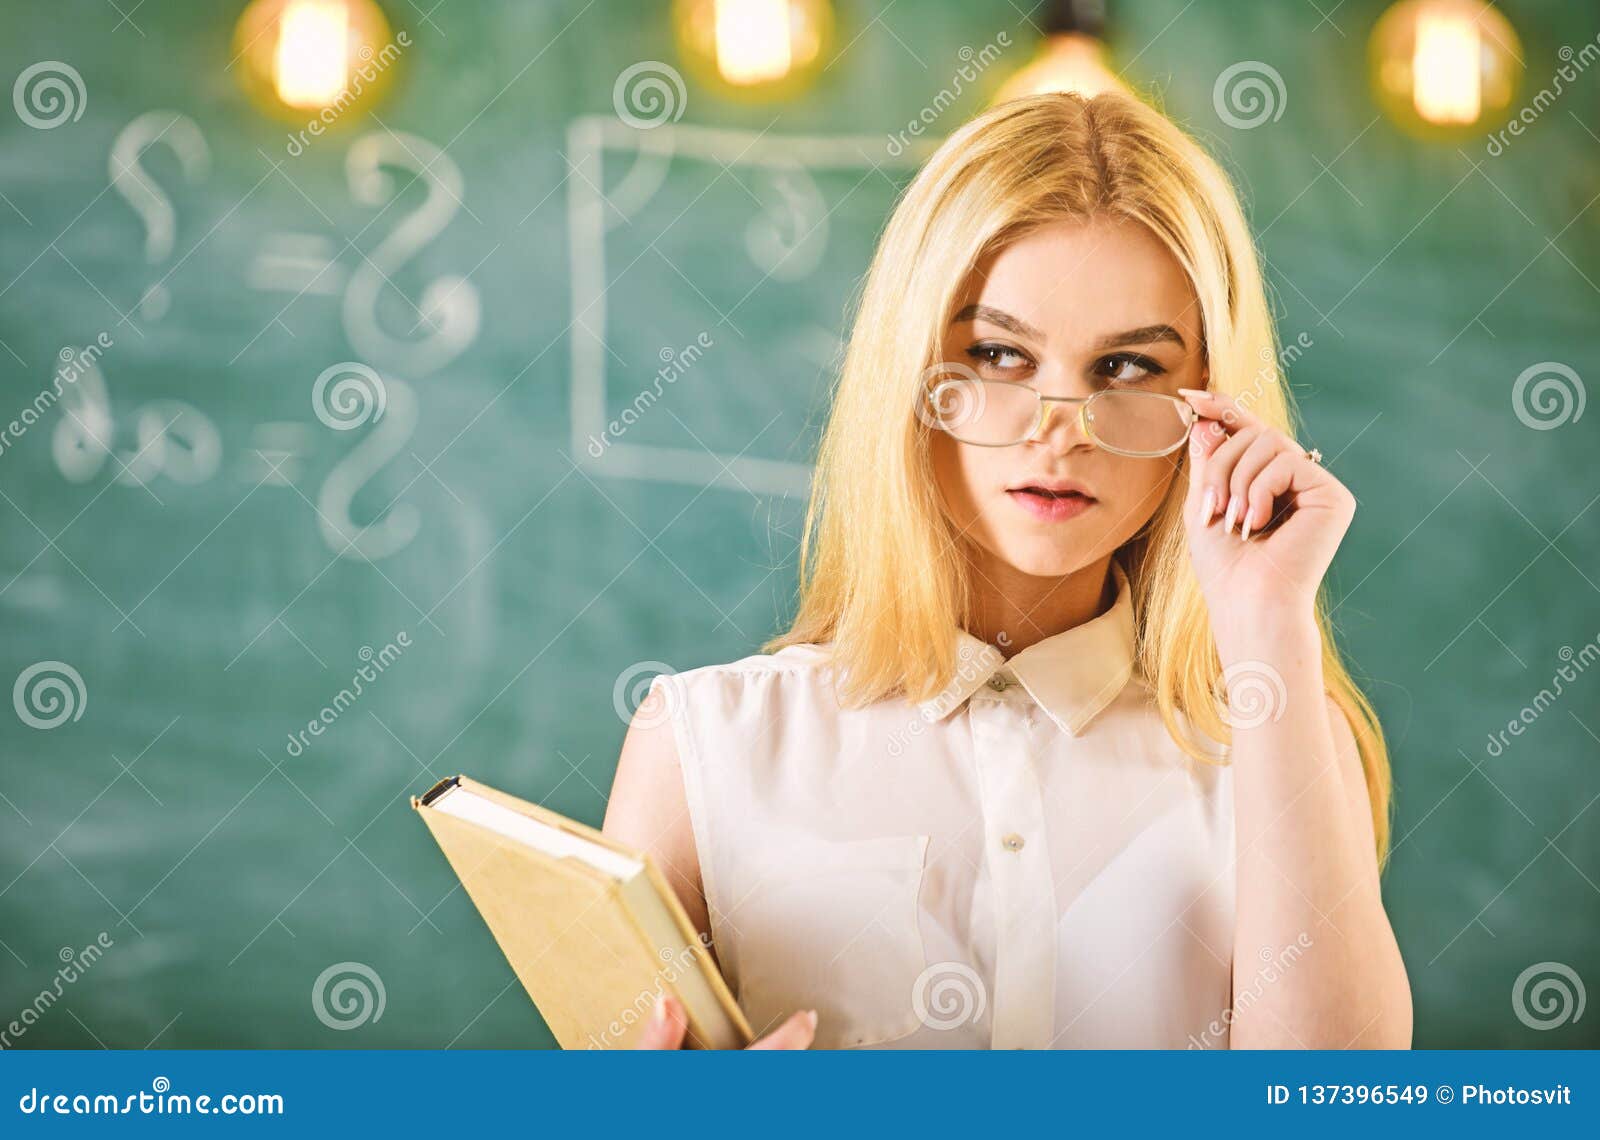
{"x":421,"y":446}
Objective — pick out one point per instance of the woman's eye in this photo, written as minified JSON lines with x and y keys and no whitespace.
{"x":998,"y":358}
{"x":1128,"y":368}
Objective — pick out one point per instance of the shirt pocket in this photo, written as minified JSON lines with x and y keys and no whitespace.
{"x":833,"y":926}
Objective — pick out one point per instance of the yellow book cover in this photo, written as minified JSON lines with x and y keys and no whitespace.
{"x":590,"y":927}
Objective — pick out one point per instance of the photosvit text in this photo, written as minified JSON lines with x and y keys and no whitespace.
{"x":1416,"y":1094}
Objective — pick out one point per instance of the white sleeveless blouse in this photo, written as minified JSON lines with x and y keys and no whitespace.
{"x":1025,"y":861}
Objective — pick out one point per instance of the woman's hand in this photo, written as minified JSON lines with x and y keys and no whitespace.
{"x":1290,"y":512}
{"x":669,"y":1023}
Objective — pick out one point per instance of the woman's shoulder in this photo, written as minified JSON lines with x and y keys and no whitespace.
{"x":804,"y":664}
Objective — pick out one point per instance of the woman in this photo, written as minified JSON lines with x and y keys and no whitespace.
{"x":1058,"y":751}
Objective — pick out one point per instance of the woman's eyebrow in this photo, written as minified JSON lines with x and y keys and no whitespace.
{"x":999,"y":317}
{"x":1149,"y":334}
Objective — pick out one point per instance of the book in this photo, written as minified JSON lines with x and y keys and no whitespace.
{"x":589,"y":926}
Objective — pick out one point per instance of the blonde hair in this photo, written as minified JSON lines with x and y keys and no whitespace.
{"x":882,"y":576}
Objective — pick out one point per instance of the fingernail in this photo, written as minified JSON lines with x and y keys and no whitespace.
{"x":1227,"y":521}
{"x":1244,"y":526}
{"x":1192,"y":392}
{"x":1208,"y":506}
{"x":811,"y":1019}
{"x":660,"y":1015}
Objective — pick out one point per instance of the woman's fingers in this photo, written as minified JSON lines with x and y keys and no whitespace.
{"x":1220,"y":406}
{"x":1262,"y":450}
{"x":1273,"y":481}
{"x":666,"y":1026}
{"x":796,"y":1033}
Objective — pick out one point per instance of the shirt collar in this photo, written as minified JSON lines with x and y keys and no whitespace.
{"x":1072,"y":675}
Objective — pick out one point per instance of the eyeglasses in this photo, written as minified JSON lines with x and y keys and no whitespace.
{"x":1003,"y":413}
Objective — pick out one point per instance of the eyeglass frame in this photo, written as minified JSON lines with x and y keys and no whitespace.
{"x":1188,"y":414}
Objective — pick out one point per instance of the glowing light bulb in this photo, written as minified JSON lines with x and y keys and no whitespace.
{"x":754,"y":49}
{"x":1442,"y":67}
{"x":753,"y":40}
{"x":309,"y":65}
{"x":1068,"y":62}
{"x":299,"y":59}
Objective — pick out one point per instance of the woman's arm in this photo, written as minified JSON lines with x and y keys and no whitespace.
{"x":1315,"y":962}
{"x":649,"y":811}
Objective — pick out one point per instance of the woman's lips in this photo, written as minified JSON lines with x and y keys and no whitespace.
{"x":1050,"y":507}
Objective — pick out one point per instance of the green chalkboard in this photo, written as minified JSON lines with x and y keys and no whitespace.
{"x":418,"y":447}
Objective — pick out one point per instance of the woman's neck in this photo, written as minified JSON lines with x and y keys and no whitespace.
{"x":1015,"y":610}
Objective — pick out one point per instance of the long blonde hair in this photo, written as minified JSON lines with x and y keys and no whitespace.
{"x":882,"y":575}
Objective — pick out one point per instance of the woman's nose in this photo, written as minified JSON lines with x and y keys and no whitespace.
{"x":1061,"y":425}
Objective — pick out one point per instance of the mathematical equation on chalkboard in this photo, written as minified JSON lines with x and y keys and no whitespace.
{"x":175,"y":440}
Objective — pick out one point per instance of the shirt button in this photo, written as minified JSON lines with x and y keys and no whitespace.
{"x":998,"y":683}
{"x":1013,"y":842}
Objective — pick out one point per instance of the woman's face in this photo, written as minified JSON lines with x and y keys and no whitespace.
{"x":1071,"y":309}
